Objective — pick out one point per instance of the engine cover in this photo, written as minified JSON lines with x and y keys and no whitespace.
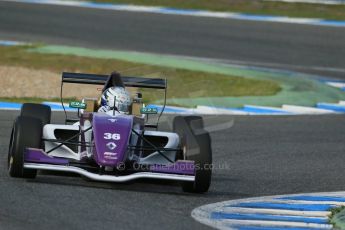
{"x":111,"y":138}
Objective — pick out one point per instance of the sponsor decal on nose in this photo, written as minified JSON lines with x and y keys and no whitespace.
{"x":111,"y":145}
{"x":110,"y":155}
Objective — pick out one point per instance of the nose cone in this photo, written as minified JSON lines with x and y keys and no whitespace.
{"x":111,"y":137}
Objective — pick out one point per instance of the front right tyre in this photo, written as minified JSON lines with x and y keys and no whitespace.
{"x":195,"y":144}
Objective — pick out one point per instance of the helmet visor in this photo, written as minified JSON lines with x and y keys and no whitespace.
{"x":123,"y":107}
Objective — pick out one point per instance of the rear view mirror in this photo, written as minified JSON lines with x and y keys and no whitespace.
{"x":77,"y":105}
{"x":148,"y":110}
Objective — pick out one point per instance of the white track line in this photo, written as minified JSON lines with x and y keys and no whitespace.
{"x":277,"y":109}
{"x":224,"y":224}
{"x":286,"y":201}
{"x":276,"y":212}
{"x":325,"y":2}
{"x":306,"y":110}
{"x":336,"y":84}
{"x":213,"y":110}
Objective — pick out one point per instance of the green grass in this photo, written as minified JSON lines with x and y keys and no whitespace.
{"x":336,"y":218}
{"x":335,"y":211}
{"x":335,"y":12}
{"x":181,"y":83}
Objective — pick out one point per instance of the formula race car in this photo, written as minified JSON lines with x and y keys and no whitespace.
{"x":111,"y":147}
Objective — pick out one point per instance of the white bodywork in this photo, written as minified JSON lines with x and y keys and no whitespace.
{"x":66,"y":152}
{"x":63,"y":151}
{"x":173,"y":142}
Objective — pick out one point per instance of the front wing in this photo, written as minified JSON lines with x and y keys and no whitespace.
{"x":179,"y":171}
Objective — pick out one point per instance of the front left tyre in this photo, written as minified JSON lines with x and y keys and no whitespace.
{"x":26,"y":133}
{"x":39,"y":111}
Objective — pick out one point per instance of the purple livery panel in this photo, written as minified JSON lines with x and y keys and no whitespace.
{"x":111,"y":137}
{"x":39,"y":156}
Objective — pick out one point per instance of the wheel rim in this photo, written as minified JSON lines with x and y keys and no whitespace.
{"x":10,"y":151}
{"x":183,"y":147}
{"x":184,"y":151}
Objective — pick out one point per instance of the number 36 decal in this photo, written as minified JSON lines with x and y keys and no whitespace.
{"x":112,"y":136}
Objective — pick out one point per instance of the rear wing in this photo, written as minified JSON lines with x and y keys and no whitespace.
{"x":114,"y":80}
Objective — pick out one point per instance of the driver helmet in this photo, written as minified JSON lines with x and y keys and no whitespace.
{"x":118,"y":97}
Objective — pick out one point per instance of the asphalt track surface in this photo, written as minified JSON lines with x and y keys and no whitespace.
{"x":264,"y":155}
{"x":311,"y":49}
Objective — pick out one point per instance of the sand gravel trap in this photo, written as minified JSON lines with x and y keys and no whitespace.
{"x":25,"y":82}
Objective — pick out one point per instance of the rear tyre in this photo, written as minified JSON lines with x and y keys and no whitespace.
{"x":196,"y":145}
{"x":26,"y":133}
{"x":39,"y":111}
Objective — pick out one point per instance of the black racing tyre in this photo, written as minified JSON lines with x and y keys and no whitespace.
{"x":39,"y":111}
{"x":195,"y":143}
{"x":26,"y":132}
